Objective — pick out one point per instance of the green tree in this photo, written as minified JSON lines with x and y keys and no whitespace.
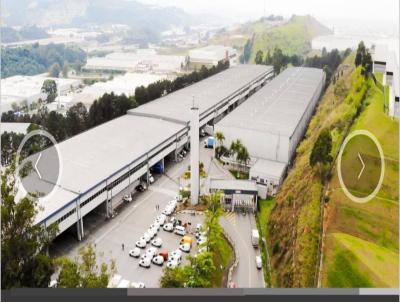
{"x":321,"y":152}
{"x":65,"y":69}
{"x":259,"y":57}
{"x":84,"y":271}
{"x":360,"y":54}
{"x":55,"y":124}
{"x":220,"y":137}
{"x":49,"y":87}
{"x":24,"y":260}
{"x":173,"y":278}
{"x":340,"y":90}
{"x":54,"y":70}
{"x":76,"y":119}
{"x":243,"y":156}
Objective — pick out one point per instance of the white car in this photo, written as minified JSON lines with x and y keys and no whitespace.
{"x":172,"y":264}
{"x":161,"y":219}
{"x":127,"y":198}
{"x":180,"y":230}
{"x":135,"y":252}
{"x":151,"y":252}
{"x":198,"y":227}
{"x":146,"y":237}
{"x":141,"y":243}
{"x":258,"y":262}
{"x":157,"y":242}
{"x":172,"y":203}
{"x":201,"y":240}
{"x":151,"y":179}
{"x":168,"y":210}
{"x":159,"y":260}
{"x":174,"y":255}
{"x":145,"y":262}
{"x":169,"y":227}
{"x":152,"y":233}
{"x":155,"y":225}
{"x":137,"y":285}
{"x":185,"y":247}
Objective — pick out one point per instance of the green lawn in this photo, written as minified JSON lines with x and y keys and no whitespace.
{"x":359,"y":263}
{"x":362,"y":240}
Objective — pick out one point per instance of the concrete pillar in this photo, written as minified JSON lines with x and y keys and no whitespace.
{"x":194,"y":154}
{"x":78,"y":227}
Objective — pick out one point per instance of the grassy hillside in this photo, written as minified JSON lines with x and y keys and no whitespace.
{"x":295,"y":220}
{"x":366,"y":235}
{"x":293,"y":37}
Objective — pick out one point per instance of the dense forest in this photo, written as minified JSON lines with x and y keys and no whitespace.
{"x":9,"y":34}
{"x":36,"y":59}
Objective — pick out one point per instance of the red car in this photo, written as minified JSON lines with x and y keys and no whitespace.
{"x":164,"y":254}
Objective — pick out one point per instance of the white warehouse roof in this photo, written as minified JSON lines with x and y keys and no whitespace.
{"x":279,"y":106}
{"x":206,"y":93}
{"x":211,"y":53}
{"x":92,"y":156}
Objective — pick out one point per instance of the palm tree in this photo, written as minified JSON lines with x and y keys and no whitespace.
{"x":243,"y":155}
{"x":235,"y":147}
{"x":220,"y":137}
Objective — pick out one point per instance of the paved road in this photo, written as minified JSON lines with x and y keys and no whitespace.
{"x":239,"y":228}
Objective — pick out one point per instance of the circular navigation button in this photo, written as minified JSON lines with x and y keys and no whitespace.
{"x":361,"y":166}
{"x":38,"y":164}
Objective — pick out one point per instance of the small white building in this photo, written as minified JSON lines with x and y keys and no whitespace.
{"x":211,"y":55}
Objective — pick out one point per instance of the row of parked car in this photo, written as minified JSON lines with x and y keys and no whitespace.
{"x":152,"y":254}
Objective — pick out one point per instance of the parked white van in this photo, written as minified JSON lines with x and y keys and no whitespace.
{"x":180,"y":230}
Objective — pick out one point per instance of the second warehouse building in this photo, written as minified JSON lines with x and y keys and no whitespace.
{"x":273,"y":121}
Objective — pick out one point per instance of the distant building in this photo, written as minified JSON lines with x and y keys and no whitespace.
{"x":18,"y":89}
{"x":211,"y":55}
{"x":384,"y":62}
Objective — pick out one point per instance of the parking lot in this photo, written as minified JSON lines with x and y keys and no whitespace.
{"x":133,"y":219}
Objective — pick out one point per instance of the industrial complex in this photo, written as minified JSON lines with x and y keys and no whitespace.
{"x":273,"y":121}
{"x":103,"y":161}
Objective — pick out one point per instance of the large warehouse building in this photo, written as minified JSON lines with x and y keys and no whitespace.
{"x":273,"y":121}
{"x":102,"y":162}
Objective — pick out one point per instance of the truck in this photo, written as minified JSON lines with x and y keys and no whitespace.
{"x":158,"y":168}
{"x":209,"y":142}
{"x":254,"y":237}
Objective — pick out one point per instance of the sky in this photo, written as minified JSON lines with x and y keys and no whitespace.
{"x":242,"y":10}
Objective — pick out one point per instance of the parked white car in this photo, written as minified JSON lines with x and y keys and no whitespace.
{"x":135,"y":252}
{"x":198,"y":227}
{"x":152,"y":233}
{"x":157,"y":242}
{"x":169,"y":227}
{"x":146,"y":237}
{"x":201,"y":240}
{"x":185,"y":247}
{"x":151,"y":252}
{"x":159,"y":260}
{"x":151,"y":178}
{"x":175,"y":254}
{"x":258,"y":262}
{"x":127,"y":198}
{"x":172,"y":203}
{"x":180,"y":230}
{"x":168,"y":210}
{"x":155,"y":225}
{"x":137,"y":285}
{"x":141,"y":243}
{"x":172,"y":264}
{"x":161,"y":219}
{"x":145,"y":262}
